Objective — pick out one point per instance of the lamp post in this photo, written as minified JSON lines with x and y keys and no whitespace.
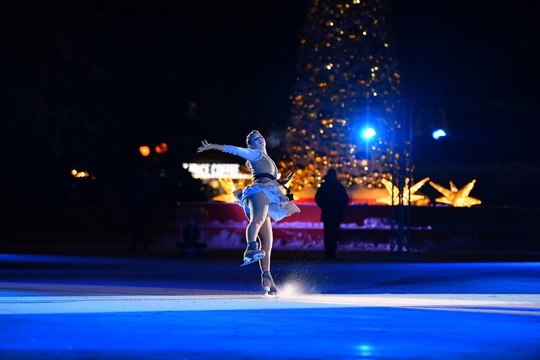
{"x":402,"y":178}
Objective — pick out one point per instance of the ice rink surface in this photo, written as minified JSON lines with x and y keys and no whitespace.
{"x":137,"y":307}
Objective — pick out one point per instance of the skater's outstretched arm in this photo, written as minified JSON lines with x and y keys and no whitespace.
{"x":248,"y":154}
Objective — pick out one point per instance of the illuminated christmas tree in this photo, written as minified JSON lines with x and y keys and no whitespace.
{"x":347,"y":80}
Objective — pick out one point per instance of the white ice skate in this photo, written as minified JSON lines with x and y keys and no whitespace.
{"x":268,"y":285}
{"x":252,"y":253}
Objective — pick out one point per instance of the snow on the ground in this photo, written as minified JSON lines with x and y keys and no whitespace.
{"x":291,"y":235}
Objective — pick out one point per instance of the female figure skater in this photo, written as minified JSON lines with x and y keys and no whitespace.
{"x":262,"y":201}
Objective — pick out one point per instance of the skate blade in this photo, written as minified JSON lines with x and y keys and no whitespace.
{"x":269,"y":293}
{"x":252,"y":260}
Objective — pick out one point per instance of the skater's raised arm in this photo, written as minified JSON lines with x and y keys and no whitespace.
{"x":248,"y":154}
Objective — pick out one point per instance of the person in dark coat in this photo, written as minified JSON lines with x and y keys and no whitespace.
{"x":332,"y":198}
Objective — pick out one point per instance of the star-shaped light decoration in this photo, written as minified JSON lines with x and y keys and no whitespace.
{"x":455,"y":197}
{"x":409,"y":193}
{"x":228,"y":187}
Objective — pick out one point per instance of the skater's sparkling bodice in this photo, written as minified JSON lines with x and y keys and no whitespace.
{"x":257,"y":161}
{"x":263,"y":165}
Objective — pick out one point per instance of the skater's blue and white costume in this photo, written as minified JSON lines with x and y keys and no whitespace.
{"x":259,"y":163}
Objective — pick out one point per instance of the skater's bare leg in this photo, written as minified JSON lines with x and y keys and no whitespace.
{"x":258,"y":211}
{"x":267,"y":240}
{"x":260,"y":226}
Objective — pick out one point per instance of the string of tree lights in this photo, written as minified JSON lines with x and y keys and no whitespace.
{"x":347,"y":81}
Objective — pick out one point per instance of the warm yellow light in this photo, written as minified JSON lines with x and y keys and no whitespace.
{"x":456,"y":197}
{"x":144,"y":150}
{"x":81,"y":174}
{"x":161,"y":148}
{"x":409,"y":193}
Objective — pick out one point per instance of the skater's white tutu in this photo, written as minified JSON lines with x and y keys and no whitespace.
{"x":280,"y":206}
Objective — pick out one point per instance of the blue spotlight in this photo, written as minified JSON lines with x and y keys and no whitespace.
{"x":369,"y":133}
{"x":438,"y":133}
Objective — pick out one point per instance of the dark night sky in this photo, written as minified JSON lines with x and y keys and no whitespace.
{"x":235,"y":59}
{"x":476,"y":59}
{"x":480,"y":59}
{"x":141,"y":64}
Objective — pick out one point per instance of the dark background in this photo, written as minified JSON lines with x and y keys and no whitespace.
{"x":83,"y":84}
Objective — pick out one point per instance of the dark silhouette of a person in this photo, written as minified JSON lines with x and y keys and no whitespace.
{"x":332,"y":198}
